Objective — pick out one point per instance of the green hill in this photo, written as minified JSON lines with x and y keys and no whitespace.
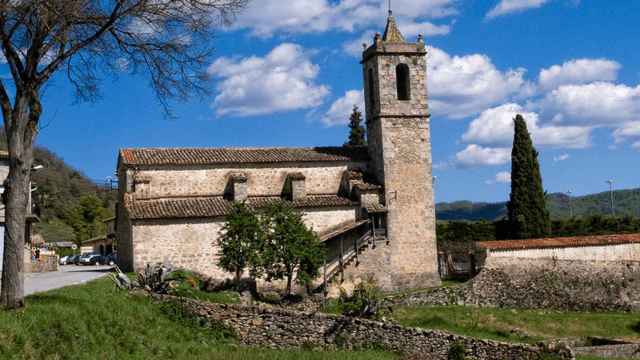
{"x":626,"y":202}
{"x":70,"y":206}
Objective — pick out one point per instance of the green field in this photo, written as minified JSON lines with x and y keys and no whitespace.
{"x":528,"y":326}
{"x":94,"y":321}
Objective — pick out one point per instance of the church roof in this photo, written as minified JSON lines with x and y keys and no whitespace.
{"x":220,"y":156}
{"x":217,"y":206}
{"x":392,"y":33}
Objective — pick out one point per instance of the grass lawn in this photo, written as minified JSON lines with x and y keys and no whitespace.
{"x":520,"y":325}
{"x":95,"y":321}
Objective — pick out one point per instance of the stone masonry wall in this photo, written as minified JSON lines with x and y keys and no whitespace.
{"x":545,"y":284}
{"x":268,"y":180}
{"x":189,"y":244}
{"x":400,"y":147}
{"x":280,"y":328}
{"x":621,"y":252}
{"x":409,"y":199}
{"x":192,"y":243}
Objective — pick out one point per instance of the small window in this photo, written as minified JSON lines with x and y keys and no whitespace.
{"x":403,"y":80}
{"x":370,"y":81}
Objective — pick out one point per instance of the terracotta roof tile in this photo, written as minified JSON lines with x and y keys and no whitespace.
{"x":375,"y":208}
{"x":577,"y":241}
{"x":215,"y":206}
{"x":212,"y":156}
{"x":341,"y":229}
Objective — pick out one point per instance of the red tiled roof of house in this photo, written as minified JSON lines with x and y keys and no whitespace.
{"x":577,"y":241}
{"x":216,"y":206}
{"x":214,"y":156}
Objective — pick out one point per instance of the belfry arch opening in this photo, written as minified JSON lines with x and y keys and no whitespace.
{"x":403,"y":82}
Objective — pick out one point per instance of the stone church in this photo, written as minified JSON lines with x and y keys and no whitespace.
{"x":372,"y":206}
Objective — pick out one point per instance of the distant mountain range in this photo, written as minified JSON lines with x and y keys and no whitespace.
{"x":626,"y":202}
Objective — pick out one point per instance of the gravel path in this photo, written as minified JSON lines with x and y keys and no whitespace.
{"x":67,"y":275}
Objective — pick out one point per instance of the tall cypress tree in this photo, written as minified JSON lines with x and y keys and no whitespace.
{"x":356,"y":130}
{"x":528,"y":215}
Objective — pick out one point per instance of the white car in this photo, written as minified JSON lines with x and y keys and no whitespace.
{"x":90,"y":259}
{"x":63,"y":260}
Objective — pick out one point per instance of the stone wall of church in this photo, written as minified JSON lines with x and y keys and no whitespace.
{"x":267,"y":180}
{"x":189,"y":244}
{"x":400,"y":147}
{"x":192,"y":243}
{"x":322,"y":219}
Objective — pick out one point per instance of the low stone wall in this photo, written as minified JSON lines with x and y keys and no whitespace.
{"x":281,"y":328}
{"x":544,"y":284}
{"x":621,"y":351}
{"x":46,"y":263}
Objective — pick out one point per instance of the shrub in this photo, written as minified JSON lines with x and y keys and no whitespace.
{"x":366,"y":301}
{"x":456,"y":352}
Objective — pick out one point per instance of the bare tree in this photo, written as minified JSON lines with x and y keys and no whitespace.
{"x":168,"y":40}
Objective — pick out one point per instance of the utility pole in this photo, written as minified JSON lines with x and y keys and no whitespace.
{"x":569,"y":193}
{"x":610,"y":182}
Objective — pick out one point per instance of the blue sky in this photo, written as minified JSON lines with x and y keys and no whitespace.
{"x":287,"y":74}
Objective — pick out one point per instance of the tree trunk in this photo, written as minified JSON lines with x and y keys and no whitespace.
{"x":289,"y":279}
{"x":16,"y":200}
{"x":238,"y":276}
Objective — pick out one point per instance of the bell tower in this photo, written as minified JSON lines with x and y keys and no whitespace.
{"x":400,"y":150}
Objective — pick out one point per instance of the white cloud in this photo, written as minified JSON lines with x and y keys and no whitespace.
{"x":561,"y":157}
{"x":636,"y":145}
{"x":266,"y":17}
{"x":476,"y":155}
{"x":341,"y":109}
{"x":494,"y":127}
{"x":505,"y":7}
{"x":579,"y":71}
{"x":503,"y":177}
{"x":354,"y":47}
{"x":283,"y":80}
{"x":628,"y":130}
{"x":595,"y":104}
{"x":461,"y":86}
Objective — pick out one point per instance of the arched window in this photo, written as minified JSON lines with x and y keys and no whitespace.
{"x":370,"y":81}
{"x":403,"y":82}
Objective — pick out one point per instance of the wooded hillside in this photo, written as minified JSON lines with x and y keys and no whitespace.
{"x":71,"y":207}
{"x":626,"y":202}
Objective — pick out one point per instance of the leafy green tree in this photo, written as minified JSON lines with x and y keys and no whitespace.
{"x":87,"y":217}
{"x":291,"y":248}
{"x":84,"y":41}
{"x":527,"y":213}
{"x":240,"y":241}
{"x":356,"y":130}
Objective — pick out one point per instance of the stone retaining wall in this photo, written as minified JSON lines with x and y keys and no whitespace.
{"x":280,"y":328}
{"x":621,"y":351}
{"x":544,"y":284}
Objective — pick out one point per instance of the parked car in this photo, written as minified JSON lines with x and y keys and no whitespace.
{"x":63,"y":260}
{"x":110,"y":260}
{"x":91,"y":259}
{"x":74,"y":260}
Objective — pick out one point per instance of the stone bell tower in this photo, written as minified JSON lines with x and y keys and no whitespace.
{"x":400,"y":150}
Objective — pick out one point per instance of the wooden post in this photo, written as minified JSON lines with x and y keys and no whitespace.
{"x":373,"y":226}
{"x":355,"y":247}
{"x":341,"y":259}
{"x":324,"y":277}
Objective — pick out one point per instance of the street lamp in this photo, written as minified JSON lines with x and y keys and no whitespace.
{"x":610,"y":182}
{"x":569,"y":193}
